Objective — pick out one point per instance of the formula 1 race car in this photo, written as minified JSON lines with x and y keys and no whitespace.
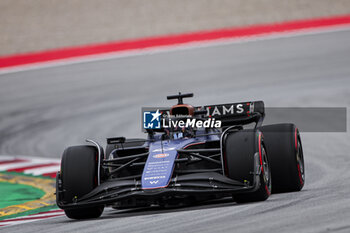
{"x":191,"y":154}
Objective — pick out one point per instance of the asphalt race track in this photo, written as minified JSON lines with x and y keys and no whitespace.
{"x":43,"y":111}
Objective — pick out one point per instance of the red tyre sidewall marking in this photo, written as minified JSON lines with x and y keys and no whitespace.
{"x":260,"y":155}
{"x":261,"y":163}
{"x":296,"y":148}
{"x":300,"y":177}
{"x":296,"y":138}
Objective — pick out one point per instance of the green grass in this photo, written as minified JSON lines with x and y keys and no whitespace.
{"x":14,"y":194}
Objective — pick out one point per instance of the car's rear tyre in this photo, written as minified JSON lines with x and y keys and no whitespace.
{"x":79,"y":177}
{"x":239,"y":152}
{"x":285,"y":153}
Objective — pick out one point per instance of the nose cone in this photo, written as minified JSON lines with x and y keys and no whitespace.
{"x":159,"y":166}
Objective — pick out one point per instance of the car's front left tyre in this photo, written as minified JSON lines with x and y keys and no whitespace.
{"x":79,"y":177}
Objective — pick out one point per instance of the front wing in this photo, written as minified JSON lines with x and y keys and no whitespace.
{"x":197,"y":184}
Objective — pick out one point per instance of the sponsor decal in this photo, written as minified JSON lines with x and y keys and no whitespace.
{"x":164,"y":149}
{"x":226,"y":109}
{"x":159,"y":156}
{"x":154,"y":177}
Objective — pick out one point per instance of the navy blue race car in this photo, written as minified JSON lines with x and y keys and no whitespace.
{"x":191,"y":154}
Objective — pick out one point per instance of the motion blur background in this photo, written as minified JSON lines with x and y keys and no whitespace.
{"x":31,"y":25}
{"x":44,"y":111}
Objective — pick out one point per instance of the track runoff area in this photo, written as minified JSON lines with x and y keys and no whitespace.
{"x":28,"y":184}
{"x":27,"y":189}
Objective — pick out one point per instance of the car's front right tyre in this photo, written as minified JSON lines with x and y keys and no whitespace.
{"x":240,"y":149}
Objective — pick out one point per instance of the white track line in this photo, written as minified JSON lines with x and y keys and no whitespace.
{"x":6,"y":158}
{"x":53,"y":165}
{"x":29,"y":158}
{"x":14,"y":165}
{"x":42,"y":170}
{"x":50,"y":213}
{"x":31,"y":218}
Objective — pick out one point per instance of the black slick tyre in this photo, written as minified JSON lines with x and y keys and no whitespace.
{"x":239,"y":151}
{"x":79,"y":177}
{"x":285,"y":153}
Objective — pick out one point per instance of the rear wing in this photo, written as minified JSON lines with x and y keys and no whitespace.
{"x":222,"y":111}
{"x":236,"y":113}
{"x":228,"y":114}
